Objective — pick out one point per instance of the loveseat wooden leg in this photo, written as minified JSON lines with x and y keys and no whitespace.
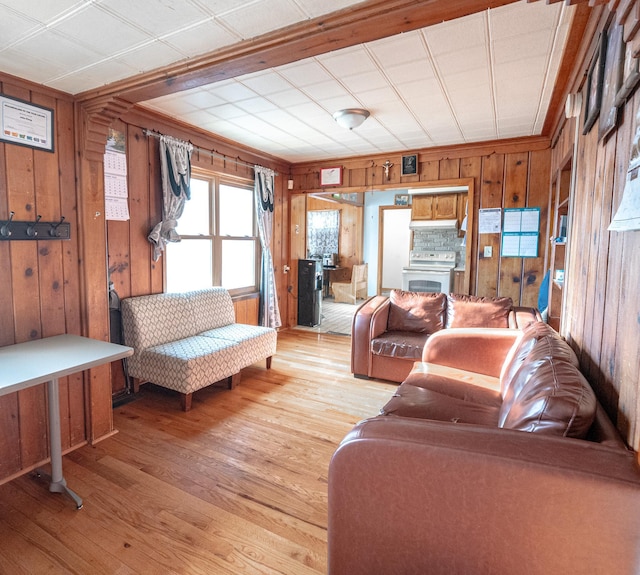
{"x":185,"y":401}
{"x":269,"y":362}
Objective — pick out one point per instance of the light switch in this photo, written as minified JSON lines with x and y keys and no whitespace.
{"x":488,"y":251}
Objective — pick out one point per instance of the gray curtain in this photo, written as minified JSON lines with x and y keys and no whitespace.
{"x":264,"y":184}
{"x":175,"y":163}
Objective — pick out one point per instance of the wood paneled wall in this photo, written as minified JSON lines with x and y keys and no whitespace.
{"x":40,"y":288}
{"x":506,"y":174}
{"x":602,"y":311}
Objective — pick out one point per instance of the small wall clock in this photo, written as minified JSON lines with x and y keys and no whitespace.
{"x":331,"y":176}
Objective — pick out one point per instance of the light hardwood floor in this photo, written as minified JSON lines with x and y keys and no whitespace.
{"x":237,"y":485}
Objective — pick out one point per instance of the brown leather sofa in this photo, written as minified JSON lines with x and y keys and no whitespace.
{"x":388,"y":333}
{"x":493,"y":457}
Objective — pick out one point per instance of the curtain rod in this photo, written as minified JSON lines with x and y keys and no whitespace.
{"x":211,"y":153}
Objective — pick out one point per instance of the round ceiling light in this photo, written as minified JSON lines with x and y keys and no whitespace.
{"x":351,"y":117}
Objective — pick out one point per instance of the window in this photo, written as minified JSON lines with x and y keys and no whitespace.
{"x":219,"y":241}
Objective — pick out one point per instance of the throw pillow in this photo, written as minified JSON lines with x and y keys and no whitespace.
{"x":419,"y":312}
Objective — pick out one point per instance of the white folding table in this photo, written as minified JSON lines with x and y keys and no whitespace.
{"x":44,"y":361}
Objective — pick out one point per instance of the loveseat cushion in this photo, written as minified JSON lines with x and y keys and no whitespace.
{"x":555,"y":347}
{"x":548,"y":394}
{"x":401,"y":344}
{"x":416,"y":311}
{"x":476,"y":311}
{"x":420,"y":402}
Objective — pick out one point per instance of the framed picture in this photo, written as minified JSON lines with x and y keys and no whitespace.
{"x":630,"y":75}
{"x":26,"y":124}
{"x":401,"y":200}
{"x":410,"y":165}
{"x":331,"y":176}
{"x":594,"y":86}
{"x":612,"y":80}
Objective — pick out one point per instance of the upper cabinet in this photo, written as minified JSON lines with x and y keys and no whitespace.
{"x":434,"y":207}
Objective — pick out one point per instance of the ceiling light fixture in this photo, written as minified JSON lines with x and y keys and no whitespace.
{"x":351,"y":117}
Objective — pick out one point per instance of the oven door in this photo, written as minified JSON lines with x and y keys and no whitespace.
{"x":432,"y":281}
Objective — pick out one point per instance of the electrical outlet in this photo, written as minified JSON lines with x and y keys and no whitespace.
{"x":488,"y":251}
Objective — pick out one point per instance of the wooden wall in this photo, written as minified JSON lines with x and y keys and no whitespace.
{"x":40,"y":289}
{"x":506,"y":174}
{"x":602,"y":312}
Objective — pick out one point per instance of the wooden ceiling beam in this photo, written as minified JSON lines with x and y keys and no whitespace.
{"x":365,"y":22}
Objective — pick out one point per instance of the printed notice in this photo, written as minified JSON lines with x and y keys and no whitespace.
{"x":115,"y":178}
{"x":26,"y":124}
{"x":520,"y":233}
{"x":489,"y":220}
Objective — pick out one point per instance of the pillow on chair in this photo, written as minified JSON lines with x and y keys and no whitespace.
{"x":419,"y":312}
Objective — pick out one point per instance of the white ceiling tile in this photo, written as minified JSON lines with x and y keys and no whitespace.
{"x":375,"y":98}
{"x":256,"y":105}
{"x":150,"y":56}
{"x":314,"y":8}
{"x":226,"y":112}
{"x":410,"y":72}
{"x":370,"y":80}
{"x":156,"y":18}
{"x":512,"y":20}
{"x":13,"y":26}
{"x":42,"y":10}
{"x":289,"y":98}
{"x":398,"y":50}
{"x":252,"y":19}
{"x":102,"y":32}
{"x":347,"y":62}
{"x":173,"y":106}
{"x":200,"y":98}
{"x":305,"y":73}
{"x":202,"y":38}
{"x":94,"y":76}
{"x":455,"y":35}
{"x":233,"y":91}
{"x":468,"y":60}
{"x":266,"y":83}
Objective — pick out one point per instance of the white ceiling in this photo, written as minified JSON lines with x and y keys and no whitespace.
{"x":483,"y":77}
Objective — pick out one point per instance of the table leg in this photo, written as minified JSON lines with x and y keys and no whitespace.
{"x":58,"y":483}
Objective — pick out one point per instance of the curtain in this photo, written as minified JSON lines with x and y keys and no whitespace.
{"x":175,"y":164}
{"x":264,"y":183}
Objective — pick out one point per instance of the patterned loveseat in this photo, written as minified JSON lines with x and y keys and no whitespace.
{"x":187,"y":341}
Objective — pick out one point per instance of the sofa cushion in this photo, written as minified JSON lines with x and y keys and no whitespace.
{"x":548,"y":394}
{"x":423,"y":403}
{"x":210,"y":308}
{"x":534,"y":332}
{"x":416,"y":311}
{"x":476,"y":311}
{"x":401,"y":344}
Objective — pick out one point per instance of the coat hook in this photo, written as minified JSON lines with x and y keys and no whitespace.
{"x":31,"y":229}
{"x":53,"y":232}
{"x":5,"y":230}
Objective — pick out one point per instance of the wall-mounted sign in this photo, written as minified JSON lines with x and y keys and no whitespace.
{"x":26,"y":124}
{"x":520,"y":233}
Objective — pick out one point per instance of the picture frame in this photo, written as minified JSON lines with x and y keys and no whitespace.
{"x":26,"y":124}
{"x":612,"y":80}
{"x":331,"y":176}
{"x":409,"y":165}
{"x":593,"y":87}
{"x":630,"y":75}
{"x":401,"y":200}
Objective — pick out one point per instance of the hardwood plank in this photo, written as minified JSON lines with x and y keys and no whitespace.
{"x":237,"y":485}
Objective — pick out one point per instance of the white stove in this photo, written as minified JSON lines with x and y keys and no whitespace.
{"x":429,"y":271}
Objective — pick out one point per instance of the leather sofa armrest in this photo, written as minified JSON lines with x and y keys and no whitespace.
{"x":523,"y":316}
{"x":361,"y":334}
{"x":417,"y":496}
{"x":380,"y":319}
{"x":481,"y":350}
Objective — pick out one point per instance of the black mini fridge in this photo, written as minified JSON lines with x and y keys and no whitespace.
{"x":309,"y":292}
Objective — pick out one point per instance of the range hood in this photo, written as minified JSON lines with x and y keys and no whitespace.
{"x":417,"y":225}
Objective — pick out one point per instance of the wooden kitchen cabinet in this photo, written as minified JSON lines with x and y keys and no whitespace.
{"x":434,"y":207}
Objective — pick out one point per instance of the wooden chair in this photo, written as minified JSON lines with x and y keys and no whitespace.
{"x":344,"y":292}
